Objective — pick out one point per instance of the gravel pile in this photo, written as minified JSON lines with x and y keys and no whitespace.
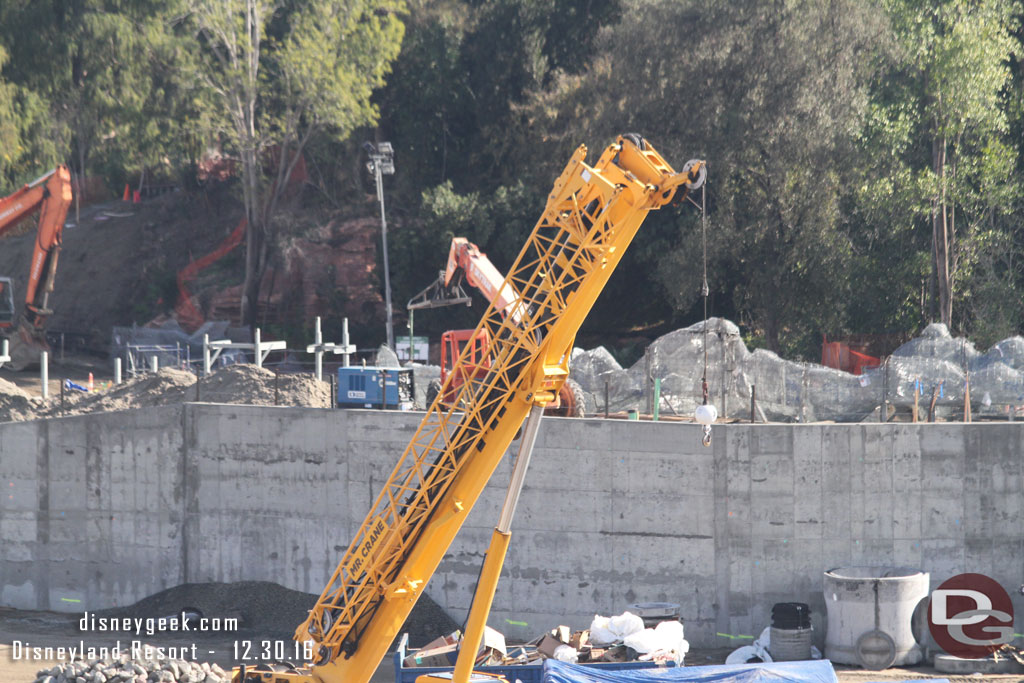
{"x":125,"y":670}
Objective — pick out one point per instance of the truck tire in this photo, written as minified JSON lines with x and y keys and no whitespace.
{"x":572,"y":400}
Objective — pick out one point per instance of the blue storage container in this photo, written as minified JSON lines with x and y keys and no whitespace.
{"x":524,"y":673}
{"x":372,"y":387}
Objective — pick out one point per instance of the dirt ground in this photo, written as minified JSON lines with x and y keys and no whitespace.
{"x":269,"y":612}
{"x":265,"y":612}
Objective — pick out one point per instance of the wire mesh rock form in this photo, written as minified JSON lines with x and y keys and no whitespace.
{"x":787,"y":391}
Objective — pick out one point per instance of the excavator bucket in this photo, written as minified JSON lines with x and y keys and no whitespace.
{"x":26,"y":343}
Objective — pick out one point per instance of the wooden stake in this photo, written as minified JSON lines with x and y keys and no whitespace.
{"x":931,"y":406}
{"x":967,"y":398}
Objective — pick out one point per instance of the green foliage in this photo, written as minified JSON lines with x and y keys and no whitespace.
{"x":98,"y":67}
{"x":26,"y":149}
{"x":279,"y":73}
{"x":838,"y":136}
{"x":939,"y":107}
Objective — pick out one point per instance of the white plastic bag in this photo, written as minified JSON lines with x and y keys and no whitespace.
{"x":625,"y":624}
{"x":763,"y":644}
{"x":566,"y":653}
{"x":600,"y":634}
{"x":664,"y":642}
{"x":608,"y":631}
{"x":746,"y":653}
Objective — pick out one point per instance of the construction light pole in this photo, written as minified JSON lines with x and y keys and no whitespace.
{"x":382,"y":162}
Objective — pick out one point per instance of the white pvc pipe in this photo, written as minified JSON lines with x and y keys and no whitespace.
{"x":44,"y":373}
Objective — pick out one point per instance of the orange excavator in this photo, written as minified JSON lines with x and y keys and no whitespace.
{"x":466,"y":263}
{"x":50,"y":195}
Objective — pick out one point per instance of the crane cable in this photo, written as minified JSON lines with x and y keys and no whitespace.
{"x":706,"y":438}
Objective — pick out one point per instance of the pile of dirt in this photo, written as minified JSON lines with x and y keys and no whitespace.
{"x":163,"y":388}
{"x":15,"y":404}
{"x":239,"y":384}
{"x":255,"y":386}
{"x":141,"y":669}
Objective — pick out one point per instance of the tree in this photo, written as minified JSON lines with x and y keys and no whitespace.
{"x":280,"y":73}
{"x":92,"y":63}
{"x":772,"y":95}
{"x":956,"y":55}
{"x":26,"y":148}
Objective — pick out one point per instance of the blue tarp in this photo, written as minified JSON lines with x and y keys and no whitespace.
{"x":777,"y":672}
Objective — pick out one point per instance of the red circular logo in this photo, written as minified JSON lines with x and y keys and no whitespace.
{"x":970,"y":616}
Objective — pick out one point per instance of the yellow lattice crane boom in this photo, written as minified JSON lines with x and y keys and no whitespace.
{"x":592,"y":215}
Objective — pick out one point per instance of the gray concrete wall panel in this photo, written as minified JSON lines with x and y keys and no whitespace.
{"x":104,"y":509}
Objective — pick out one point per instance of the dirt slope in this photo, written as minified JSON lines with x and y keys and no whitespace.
{"x":120,"y":259}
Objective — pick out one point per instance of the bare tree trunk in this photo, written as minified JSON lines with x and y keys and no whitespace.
{"x":940,"y":233}
{"x":81,"y":181}
{"x":771,"y":333}
{"x":254,"y":234}
{"x":253,"y":276}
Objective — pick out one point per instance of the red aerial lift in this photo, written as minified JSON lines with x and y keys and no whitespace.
{"x":467,"y":263}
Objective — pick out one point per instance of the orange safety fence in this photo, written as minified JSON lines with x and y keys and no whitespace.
{"x":189,"y":316}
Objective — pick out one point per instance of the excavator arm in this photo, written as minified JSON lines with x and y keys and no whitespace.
{"x":50,"y":195}
{"x":591,"y":217}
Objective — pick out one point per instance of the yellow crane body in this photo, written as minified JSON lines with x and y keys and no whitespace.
{"x":591,"y":216}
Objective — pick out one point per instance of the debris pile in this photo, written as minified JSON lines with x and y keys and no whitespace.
{"x":623,"y":638}
{"x":126,"y":670}
{"x":444,"y":651}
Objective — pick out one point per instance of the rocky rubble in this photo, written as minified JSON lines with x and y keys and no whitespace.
{"x":125,"y":670}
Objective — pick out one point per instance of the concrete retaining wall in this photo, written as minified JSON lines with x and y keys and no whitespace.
{"x":105,"y":509}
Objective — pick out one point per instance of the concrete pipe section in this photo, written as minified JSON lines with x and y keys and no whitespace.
{"x":871,"y":615}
